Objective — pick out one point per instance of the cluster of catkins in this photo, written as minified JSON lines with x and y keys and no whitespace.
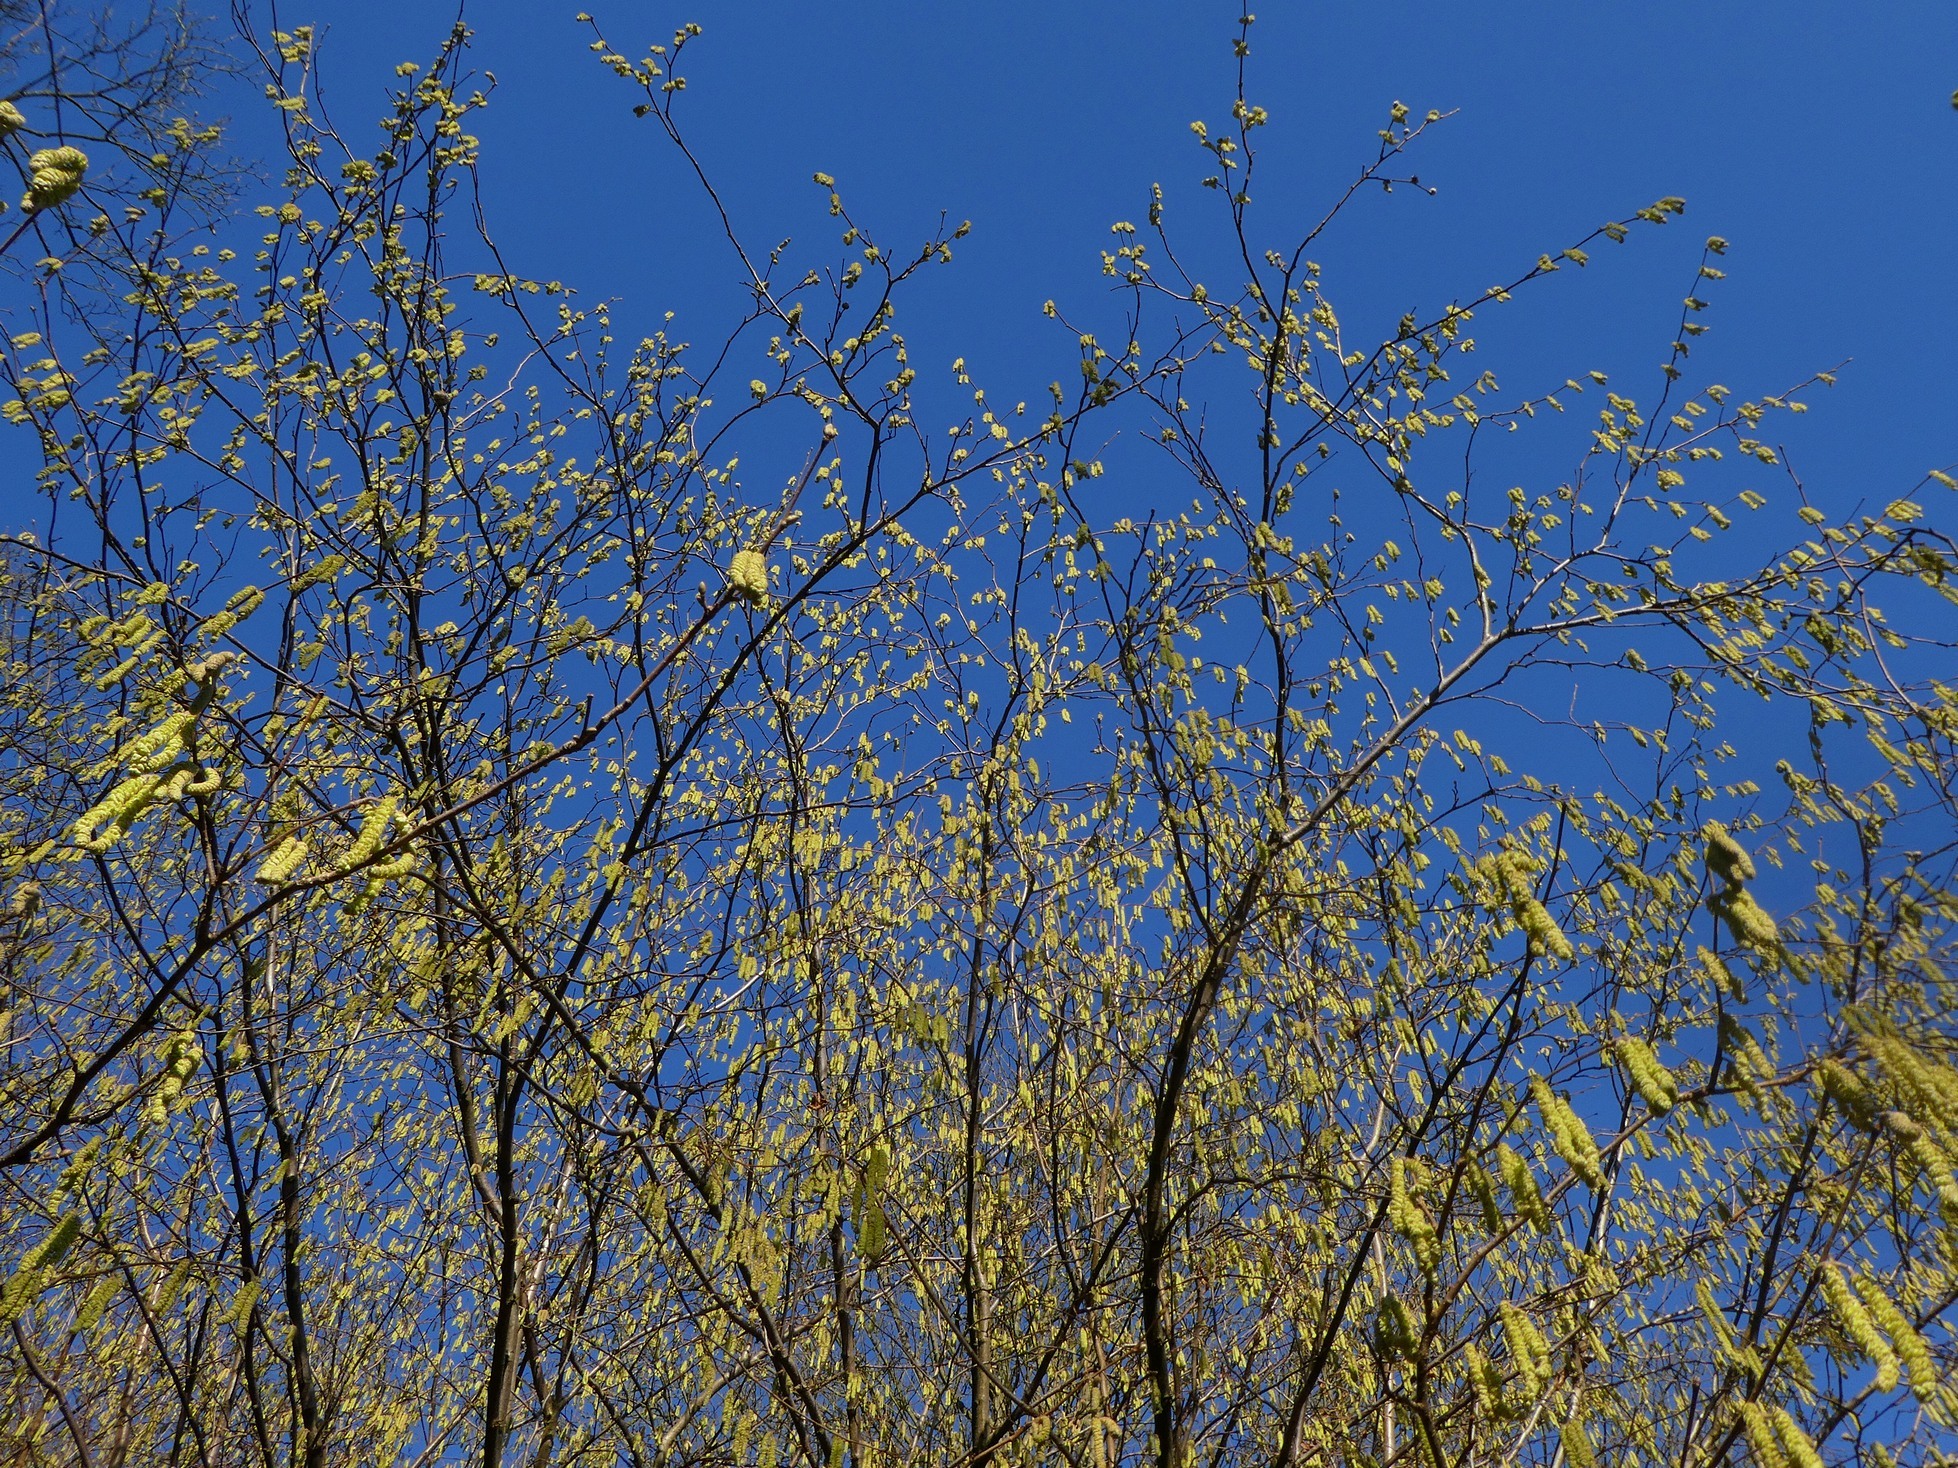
{"x":1656,"y":1085}
{"x":1568,"y":1134}
{"x":1530,"y":1360}
{"x":164,"y":765}
{"x":747,"y":575}
{"x":1906,"y":1077}
{"x":1522,"y":1185}
{"x":1776,"y":1438}
{"x":1727,"y":859}
{"x":25,"y":1284}
{"x":289,"y":856}
{"x":1878,"y":1328}
{"x":53,"y":174}
{"x":1410,"y":1220}
{"x":1512,"y":872}
{"x":179,"y":1065}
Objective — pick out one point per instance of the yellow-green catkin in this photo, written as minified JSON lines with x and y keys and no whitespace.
{"x":1522,"y":1185}
{"x":97,"y":1301}
{"x":373,"y":831}
{"x":868,"y":1205}
{"x":399,"y":865}
{"x":1656,"y":1085}
{"x":1577,"y":1445}
{"x":12,"y":119}
{"x":285,"y":859}
{"x":149,"y":760}
{"x":1728,"y":1345}
{"x":1410,"y":1220}
{"x":1904,"y":1339}
{"x":1395,"y":1331}
{"x":179,"y":1064}
{"x":1930,"y":1089}
{"x":1933,"y":1084}
{"x":25,"y":1283}
{"x":1485,"y":1380}
{"x":1762,"y":1439}
{"x":1797,"y":1444}
{"x":240,"y":1314}
{"x":1844,"y":1087}
{"x":1858,"y":1325}
{"x":1511,"y":871}
{"x":103,"y":823}
{"x":157,"y":749}
{"x":1726,"y":857}
{"x":1483,"y":1188}
{"x":1923,"y":1149}
{"x":1568,"y":1134}
{"x":1528,"y":1350}
{"x":54,"y":1248}
{"x":54,"y":174}
{"x":1722,"y":976}
{"x":747,"y":575}
{"x":1747,"y":919}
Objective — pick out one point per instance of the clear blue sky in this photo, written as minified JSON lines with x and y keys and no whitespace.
{"x":1820,"y":139}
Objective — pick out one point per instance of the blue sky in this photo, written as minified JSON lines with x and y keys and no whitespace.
{"x":1819,"y":139}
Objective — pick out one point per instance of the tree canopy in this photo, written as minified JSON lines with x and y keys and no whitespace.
{"x":572,"y":900}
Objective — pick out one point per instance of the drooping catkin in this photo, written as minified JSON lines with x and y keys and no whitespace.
{"x":159,"y":747}
{"x":54,"y":174}
{"x":1528,"y":1350}
{"x":1910,"y":1347}
{"x":1858,"y":1325}
{"x":1747,"y":919}
{"x":285,"y":859}
{"x":1485,"y":1380}
{"x":54,"y":1248}
{"x":1656,"y":1085}
{"x":1844,"y":1087}
{"x":747,"y":576}
{"x":148,"y":760}
{"x":1930,"y":1086}
{"x":103,"y":823}
{"x":1522,"y":1185}
{"x":240,"y":1314}
{"x":97,"y":1301}
{"x":1395,"y":1332}
{"x":1762,"y":1439}
{"x":1800,"y":1449}
{"x":24,"y":1285}
{"x":1726,"y":857}
{"x":1410,"y":1220}
{"x":1923,"y":1149}
{"x":1511,"y":871}
{"x":179,"y":1064}
{"x":1568,"y":1134}
{"x":1483,"y":1188}
{"x":1722,"y":976}
{"x":373,"y":831}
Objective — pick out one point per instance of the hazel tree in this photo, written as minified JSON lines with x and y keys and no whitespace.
{"x":572,"y":901}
